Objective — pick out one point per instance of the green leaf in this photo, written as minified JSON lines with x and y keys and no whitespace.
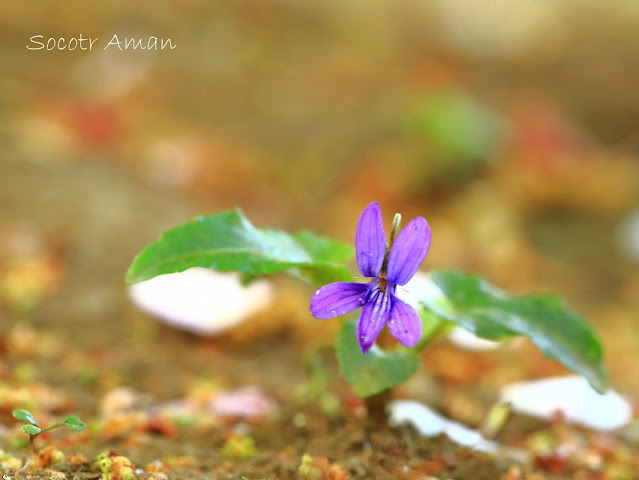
{"x":560,"y":333}
{"x":74,"y":423}
{"x":324,"y":249}
{"x":432,"y":326}
{"x":24,"y":416}
{"x":228,"y":242}
{"x":31,"y":429}
{"x":376,"y":371}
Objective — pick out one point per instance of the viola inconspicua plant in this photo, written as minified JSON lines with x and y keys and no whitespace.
{"x":387,"y":265}
{"x":228,"y":242}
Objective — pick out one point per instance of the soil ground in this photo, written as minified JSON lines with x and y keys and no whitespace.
{"x":146,"y":389}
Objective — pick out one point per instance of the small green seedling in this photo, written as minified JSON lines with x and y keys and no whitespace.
{"x":32,"y":427}
{"x":239,"y":447}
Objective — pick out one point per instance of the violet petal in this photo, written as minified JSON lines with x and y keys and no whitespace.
{"x":337,"y":298}
{"x":370,"y":241}
{"x":404,"y":323}
{"x":408,"y":251}
{"x":374,"y":316}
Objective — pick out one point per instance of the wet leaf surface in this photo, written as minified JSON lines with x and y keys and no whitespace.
{"x":491,"y":313}
{"x":228,"y":242}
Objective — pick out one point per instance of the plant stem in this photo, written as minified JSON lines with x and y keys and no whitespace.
{"x":376,"y":404}
{"x":51,"y":427}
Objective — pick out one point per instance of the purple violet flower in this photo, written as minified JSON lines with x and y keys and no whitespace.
{"x":387,"y":266}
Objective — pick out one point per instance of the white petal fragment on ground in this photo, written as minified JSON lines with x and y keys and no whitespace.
{"x":200,"y":300}
{"x":469,"y":341}
{"x":570,"y":396}
{"x":247,"y":402}
{"x":430,"y":424}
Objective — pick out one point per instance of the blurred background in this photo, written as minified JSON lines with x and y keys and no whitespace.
{"x":510,"y":126}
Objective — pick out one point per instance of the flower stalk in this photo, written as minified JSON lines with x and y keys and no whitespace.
{"x":397,"y":221}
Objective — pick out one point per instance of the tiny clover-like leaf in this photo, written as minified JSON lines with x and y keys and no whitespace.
{"x":482,"y":308}
{"x":375,"y":371}
{"x":74,"y":423}
{"x":228,"y":242}
{"x":31,"y":429}
{"x":24,"y":416}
